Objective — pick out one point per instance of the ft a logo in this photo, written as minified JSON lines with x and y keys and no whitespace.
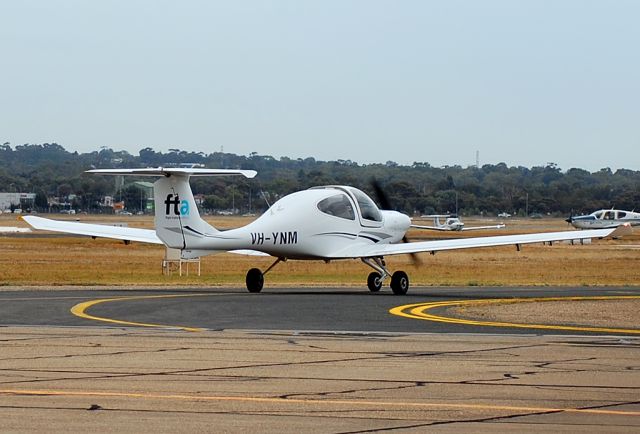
{"x":173,"y":205}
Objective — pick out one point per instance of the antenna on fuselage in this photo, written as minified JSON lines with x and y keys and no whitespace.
{"x":264,"y":196}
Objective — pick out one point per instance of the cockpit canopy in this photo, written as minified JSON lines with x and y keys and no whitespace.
{"x":609,"y":214}
{"x":342,"y":205}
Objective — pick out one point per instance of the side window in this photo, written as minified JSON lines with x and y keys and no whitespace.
{"x":338,"y":205}
{"x":622,"y":214}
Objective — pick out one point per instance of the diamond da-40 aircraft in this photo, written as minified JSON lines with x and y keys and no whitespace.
{"x":322,"y":223}
{"x":452,"y":224}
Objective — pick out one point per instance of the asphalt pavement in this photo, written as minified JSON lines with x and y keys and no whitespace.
{"x":300,"y":309}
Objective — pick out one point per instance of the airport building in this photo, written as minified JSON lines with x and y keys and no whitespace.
{"x":18,"y":200}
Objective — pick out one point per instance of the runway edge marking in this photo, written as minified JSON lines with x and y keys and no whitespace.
{"x":79,"y":310}
{"x":419,"y":311}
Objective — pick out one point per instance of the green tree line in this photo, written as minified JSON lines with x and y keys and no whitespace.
{"x":50,"y":171}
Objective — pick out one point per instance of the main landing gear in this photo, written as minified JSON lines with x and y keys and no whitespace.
{"x":255,"y":277}
{"x":399,"y":279}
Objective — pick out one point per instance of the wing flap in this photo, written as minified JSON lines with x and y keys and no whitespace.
{"x":93,"y":230}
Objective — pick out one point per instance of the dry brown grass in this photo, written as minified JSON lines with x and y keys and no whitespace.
{"x":38,"y":259}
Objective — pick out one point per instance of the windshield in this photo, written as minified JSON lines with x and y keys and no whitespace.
{"x":368,"y":208}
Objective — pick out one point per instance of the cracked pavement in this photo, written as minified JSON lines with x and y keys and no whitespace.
{"x":141,"y":380}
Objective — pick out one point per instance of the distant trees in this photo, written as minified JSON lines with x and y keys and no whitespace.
{"x":51,"y":171}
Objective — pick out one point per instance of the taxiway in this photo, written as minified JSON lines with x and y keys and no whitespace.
{"x":303,"y":360}
{"x":327,"y":309}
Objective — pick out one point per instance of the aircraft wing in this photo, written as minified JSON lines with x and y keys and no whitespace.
{"x":94,"y":230}
{"x":475,"y":228}
{"x":432,"y":228}
{"x":374,"y":250}
{"x":118,"y":233}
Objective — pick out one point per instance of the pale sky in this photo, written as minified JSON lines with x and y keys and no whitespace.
{"x":522,"y":82}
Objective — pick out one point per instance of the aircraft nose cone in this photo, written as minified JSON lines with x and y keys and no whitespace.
{"x":569,"y":219}
{"x":406,"y":221}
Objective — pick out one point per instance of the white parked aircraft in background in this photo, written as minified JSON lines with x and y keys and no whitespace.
{"x":322,"y":223}
{"x":605,"y":218}
{"x":452,"y":224}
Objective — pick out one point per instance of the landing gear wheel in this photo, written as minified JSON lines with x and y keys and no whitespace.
{"x":255,"y":280}
{"x":374,"y":282}
{"x":399,"y":283}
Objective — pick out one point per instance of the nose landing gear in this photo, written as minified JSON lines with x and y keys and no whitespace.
{"x":374,"y":281}
{"x":399,"y":279}
{"x":255,"y":277}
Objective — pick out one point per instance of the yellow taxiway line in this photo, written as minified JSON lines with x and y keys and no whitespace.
{"x":336,"y":402}
{"x":80,"y":311}
{"x":420,"y":311}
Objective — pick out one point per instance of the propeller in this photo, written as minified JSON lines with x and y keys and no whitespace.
{"x":570,"y":219}
{"x":385,"y":204}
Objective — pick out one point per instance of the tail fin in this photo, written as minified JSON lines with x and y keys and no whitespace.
{"x":178,"y":222}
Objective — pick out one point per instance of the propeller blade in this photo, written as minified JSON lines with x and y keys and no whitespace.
{"x":385,"y":204}
{"x":381,"y":195}
{"x":570,"y":218}
{"x":415,"y":259}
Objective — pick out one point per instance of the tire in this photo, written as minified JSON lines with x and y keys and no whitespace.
{"x":399,"y":283}
{"x":374,"y":282}
{"x":255,"y":280}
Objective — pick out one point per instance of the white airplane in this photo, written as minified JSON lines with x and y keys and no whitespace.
{"x":452,"y":224}
{"x":605,"y":218}
{"x":322,"y":223}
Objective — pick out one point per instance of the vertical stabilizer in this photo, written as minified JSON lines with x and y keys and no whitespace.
{"x":178,"y":222}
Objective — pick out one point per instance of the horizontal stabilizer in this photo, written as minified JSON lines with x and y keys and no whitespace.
{"x":168,"y":171}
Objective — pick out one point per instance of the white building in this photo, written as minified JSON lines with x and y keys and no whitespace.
{"x":16,"y":199}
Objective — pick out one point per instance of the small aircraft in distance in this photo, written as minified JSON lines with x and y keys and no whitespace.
{"x":322,"y":223}
{"x":605,"y":218}
{"x":452,"y":224}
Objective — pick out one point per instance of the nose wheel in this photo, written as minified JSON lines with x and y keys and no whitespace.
{"x":255,"y":277}
{"x":399,"y":279}
{"x":374,"y":281}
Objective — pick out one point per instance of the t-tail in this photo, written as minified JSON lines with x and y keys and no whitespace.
{"x":177,"y":220}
